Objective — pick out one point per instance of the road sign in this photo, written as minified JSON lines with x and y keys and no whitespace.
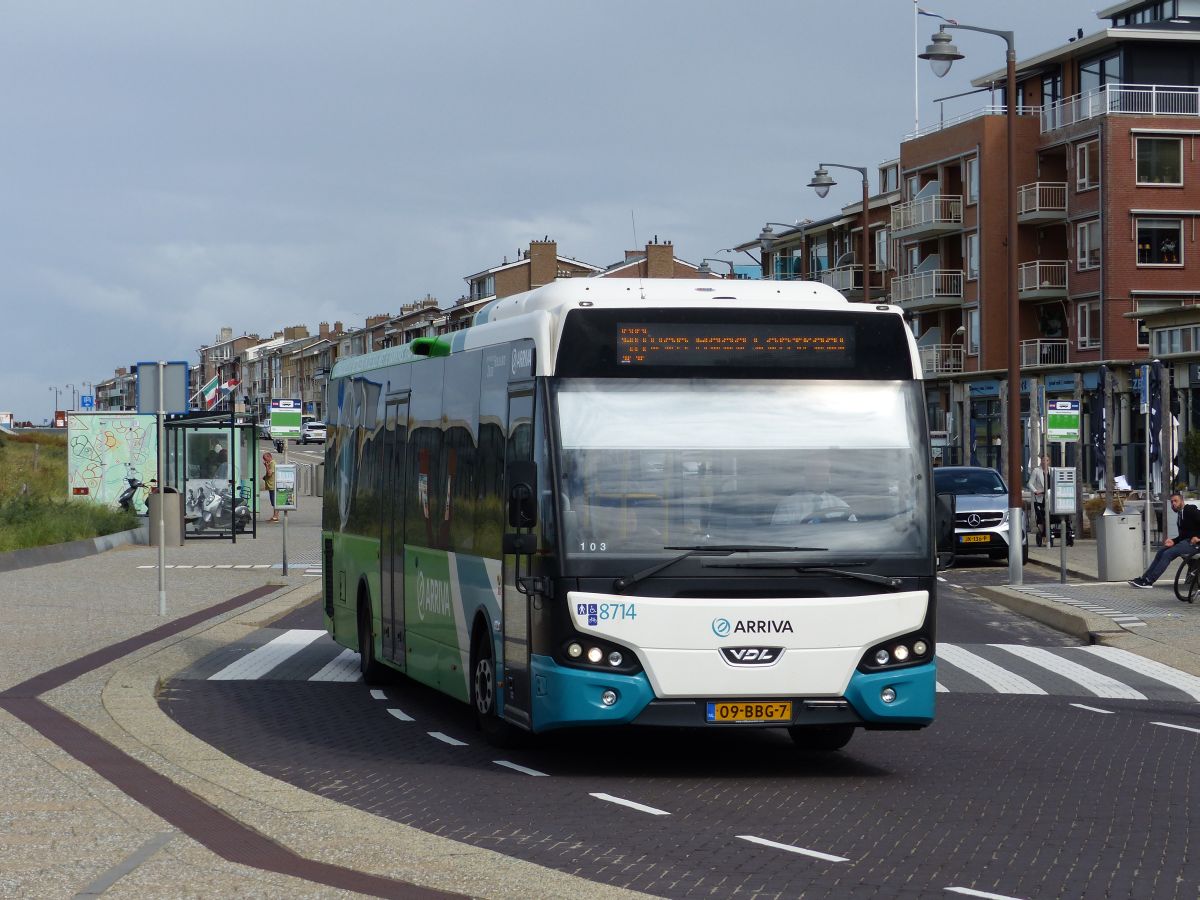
{"x":175,"y":387}
{"x":1062,"y":420}
{"x":285,"y":419}
{"x":1062,"y":491}
{"x":285,"y":486}
{"x":86,"y":401}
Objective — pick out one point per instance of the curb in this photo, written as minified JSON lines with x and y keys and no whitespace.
{"x":56,"y":553}
{"x":1067,"y":619}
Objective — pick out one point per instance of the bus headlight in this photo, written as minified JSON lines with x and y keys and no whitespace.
{"x":906,"y":650}
{"x":574,"y":650}
{"x":615,"y":658}
{"x":881,"y":657}
{"x":595,"y":654}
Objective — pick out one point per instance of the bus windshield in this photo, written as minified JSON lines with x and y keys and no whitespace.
{"x":652,"y":464}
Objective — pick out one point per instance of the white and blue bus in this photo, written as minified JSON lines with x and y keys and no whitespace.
{"x":682,"y":503}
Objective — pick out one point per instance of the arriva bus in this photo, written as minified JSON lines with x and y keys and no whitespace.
{"x":681,"y":503}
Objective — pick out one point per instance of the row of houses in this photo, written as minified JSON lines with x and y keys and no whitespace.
{"x":1107,"y":165}
{"x":295,"y":362}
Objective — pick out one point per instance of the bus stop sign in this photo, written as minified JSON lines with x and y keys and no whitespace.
{"x":1062,"y":420}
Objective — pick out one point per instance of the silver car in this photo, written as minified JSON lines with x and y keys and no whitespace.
{"x":981,"y":510}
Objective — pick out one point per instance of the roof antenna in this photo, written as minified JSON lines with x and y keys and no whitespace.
{"x":641,"y":287}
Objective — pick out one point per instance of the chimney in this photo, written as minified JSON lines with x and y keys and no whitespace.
{"x":337,"y":328}
{"x":543,"y":262}
{"x":323,"y":329}
{"x":660,"y":259}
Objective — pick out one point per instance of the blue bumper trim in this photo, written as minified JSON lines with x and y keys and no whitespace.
{"x":564,"y":697}
{"x":915,"y":690}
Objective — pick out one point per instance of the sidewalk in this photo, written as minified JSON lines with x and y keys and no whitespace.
{"x":1151,"y":623}
{"x":186,"y":820}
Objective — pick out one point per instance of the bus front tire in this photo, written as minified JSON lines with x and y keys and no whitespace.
{"x":373,"y":671}
{"x":821,"y":738}
{"x":483,"y":695}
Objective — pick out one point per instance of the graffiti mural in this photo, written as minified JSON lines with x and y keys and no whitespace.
{"x":104,"y":451}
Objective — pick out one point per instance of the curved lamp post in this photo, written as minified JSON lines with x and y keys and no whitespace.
{"x":942,"y":54}
{"x":821,"y":182}
{"x":56,"y":393}
{"x":705,"y":269}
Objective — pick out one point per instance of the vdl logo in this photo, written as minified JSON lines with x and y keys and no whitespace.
{"x":721,"y":627}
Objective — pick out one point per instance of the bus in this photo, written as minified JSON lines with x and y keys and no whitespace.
{"x":663,"y":502}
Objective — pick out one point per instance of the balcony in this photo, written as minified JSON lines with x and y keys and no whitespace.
{"x":1042,"y":201}
{"x":1042,"y":279}
{"x":847,"y":280}
{"x":928,"y":216}
{"x":941,"y":359}
{"x":1044,"y":352}
{"x":1123,"y":99}
{"x":989,"y":110}
{"x":934,"y":289}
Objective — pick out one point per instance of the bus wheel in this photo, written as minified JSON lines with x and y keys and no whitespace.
{"x":821,"y":738}
{"x":483,"y":695}
{"x":373,"y":672}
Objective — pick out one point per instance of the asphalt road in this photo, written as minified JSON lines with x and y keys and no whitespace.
{"x":1065,"y":787}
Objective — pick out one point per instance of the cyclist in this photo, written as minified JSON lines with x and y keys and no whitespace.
{"x":1186,"y":544}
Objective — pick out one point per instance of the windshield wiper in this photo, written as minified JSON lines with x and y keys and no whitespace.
{"x":869,"y":577}
{"x":628,"y":581}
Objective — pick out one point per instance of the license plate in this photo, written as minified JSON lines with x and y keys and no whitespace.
{"x":751,"y":711}
{"x":974,"y":538}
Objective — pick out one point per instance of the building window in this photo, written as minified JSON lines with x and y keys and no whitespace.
{"x":1087,"y":245}
{"x":1160,"y":242}
{"x":971,"y":255}
{"x":1174,"y":340}
{"x":1159,"y":160}
{"x":1099,"y":71}
{"x":1143,"y":333}
{"x":881,"y":249}
{"x":818,"y":256}
{"x":973,"y":331}
{"x":889,"y":178}
{"x":1051,"y":88}
{"x":1087,"y":165}
{"x":1088,"y":324}
{"x":972,"y":180}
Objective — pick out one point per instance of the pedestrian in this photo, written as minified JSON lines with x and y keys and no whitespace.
{"x":269,"y":483}
{"x":1037,"y":488}
{"x":1186,"y":544}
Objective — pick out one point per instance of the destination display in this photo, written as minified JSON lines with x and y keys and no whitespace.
{"x":687,"y":344}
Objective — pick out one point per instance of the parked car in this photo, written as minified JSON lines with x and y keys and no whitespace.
{"x":312,"y":430}
{"x":264,"y":430}
{"x":981,"y":522}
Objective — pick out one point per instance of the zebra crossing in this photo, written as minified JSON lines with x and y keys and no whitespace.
{"x":302,"y":654}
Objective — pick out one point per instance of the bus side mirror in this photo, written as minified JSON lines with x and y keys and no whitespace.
{"x":943,"y":524}
{"x":522,"y":502}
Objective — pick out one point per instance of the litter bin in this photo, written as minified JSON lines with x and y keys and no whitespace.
{"x":172,"y":506}
{"x":319,"y":480}
{"x":1119,"y":547}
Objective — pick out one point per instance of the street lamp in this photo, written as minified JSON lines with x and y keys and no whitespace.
{"x":72,"y":387}
{"x":821,"y":182}
{"x":704,"y":269}
{"x":56,"y":392}
{"x":942,"y":54}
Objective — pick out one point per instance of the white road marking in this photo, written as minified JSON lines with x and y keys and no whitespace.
{"x":971,"y":893}
{"x":446,"y":739}
{"x":1107,"y":712}
{"x":816,"y":854}
{"x":261,"y":661}
{"x":1100,"y":685}
{"x":401,"y":715}
{"x":941,"y":688}
{"x":244,"y":566}
{"x":224,"y":565}
{"x":342,"y":668}
{"x":1180,"y":727}
{"x":262,"y":565}
{"x":378,"y":695}
{"x":638,"y":806}
{"x":181,"y":566}
{"x":203,"y":567}
{"x":1004,"y":681}
{"x":1189,"y":684}
{"x":515,"y":767}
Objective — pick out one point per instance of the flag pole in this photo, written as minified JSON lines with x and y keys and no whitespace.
{"x":916,"y":80}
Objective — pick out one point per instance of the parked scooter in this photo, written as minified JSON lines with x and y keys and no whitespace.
{"x":128,"y":497}
{"x":220,"y":511}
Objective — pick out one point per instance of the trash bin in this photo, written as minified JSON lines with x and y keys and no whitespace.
{"x":172,"y":506}
{"x":1119,"y":547}
{"x":319,"y":480}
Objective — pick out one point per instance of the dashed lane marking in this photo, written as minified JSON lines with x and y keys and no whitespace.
{"x":1178,"y":727}
{"x":378,"y":695}
{"x":446,"y":739}
{"x":1107,"y":712}
{"x":404,"y":717}
{"x":640,"y":807}
{"x":973,"y":893}
{"x":791,"y":848}
{"x":516,"y":768}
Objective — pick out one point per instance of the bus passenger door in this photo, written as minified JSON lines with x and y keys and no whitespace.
{"x":516,"y":649}
{"x":391,"y":544}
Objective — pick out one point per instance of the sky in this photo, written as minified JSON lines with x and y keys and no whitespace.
{"x":168,"y":169}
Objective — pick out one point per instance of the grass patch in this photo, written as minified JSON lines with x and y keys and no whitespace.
{"x":34,"y":509}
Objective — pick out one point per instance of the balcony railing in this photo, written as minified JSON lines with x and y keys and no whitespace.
{"x":937,"y":214}
{"x":1123,"y":99}
{"x":938,"y":359}
{"x":925,"y":290}
{"x":848,"y":280}
{"x":991,"y":110}
{"x":1042,"y":201}
{"x":1041,"y":279}
{"x":1044,"y":352}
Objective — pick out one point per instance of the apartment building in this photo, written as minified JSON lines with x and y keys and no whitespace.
{"x":117,"y":393}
